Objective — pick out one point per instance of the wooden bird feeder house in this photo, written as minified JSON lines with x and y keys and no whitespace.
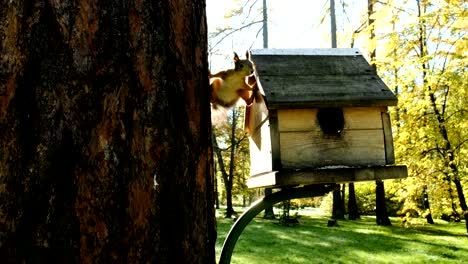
{"x":324,"y":120}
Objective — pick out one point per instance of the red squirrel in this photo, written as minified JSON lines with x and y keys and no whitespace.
{"x":230,"y":85}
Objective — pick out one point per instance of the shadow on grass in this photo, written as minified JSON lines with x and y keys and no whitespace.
{"x":360,"y":241}
{"x":439,"y":230}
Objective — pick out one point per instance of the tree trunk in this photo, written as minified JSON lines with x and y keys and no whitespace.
{"x":226,"y":178}
{"x":229,"y":209}
{"x":461,"y":198}
{"x":380,"y":205}
{"x":447,"y":152}
{"x":216,"y":190}
{"x":105,"y":143}
{"x":370,"y":22}
{"x":337,"y":212}
{"x":343,"y":198}
{"x":232,"y":164}
{"x":427,"y":207}
{"x":352,"y":204}
{"x":268,"y":213}
{"x":265,"y":24}
{"x":333,"y":24}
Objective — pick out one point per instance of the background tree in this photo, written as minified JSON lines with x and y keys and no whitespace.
{"x":338,"y":210}
{"x":422,"y":57}
{"x":105,"y":149}
{"x":243,"y":172}
{"x":268,"y":213}
{"x":243,"y":24}
{"x":380,"y":205}
{"x":431,"y":117}
{"x":229,"y":142}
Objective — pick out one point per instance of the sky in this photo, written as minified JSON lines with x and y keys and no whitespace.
{"x":291,"y":24}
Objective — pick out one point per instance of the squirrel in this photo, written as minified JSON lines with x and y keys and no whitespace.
{"x":230,"y":85}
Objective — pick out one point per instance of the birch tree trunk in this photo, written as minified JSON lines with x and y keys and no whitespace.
{"x":105,"y":142}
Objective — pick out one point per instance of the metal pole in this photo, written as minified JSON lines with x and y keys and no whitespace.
{"x":260,"y":205}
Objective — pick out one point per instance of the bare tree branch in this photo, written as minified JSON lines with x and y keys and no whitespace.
{"x":234,"y":31}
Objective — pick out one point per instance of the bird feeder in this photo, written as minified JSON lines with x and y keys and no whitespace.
{"x":324,"y":120}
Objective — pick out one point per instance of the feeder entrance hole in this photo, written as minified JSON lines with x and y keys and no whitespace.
{"x":331,"y":121}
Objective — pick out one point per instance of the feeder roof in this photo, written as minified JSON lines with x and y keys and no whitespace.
{"x":301,"y":78}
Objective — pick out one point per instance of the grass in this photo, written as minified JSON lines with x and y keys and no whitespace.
{"x":361,"y":241}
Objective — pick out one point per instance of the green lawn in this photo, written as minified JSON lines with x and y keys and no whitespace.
{"x":362,"y":241}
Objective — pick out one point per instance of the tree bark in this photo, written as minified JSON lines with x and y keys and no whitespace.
{"x":105,"y":149}
{"x":352,"y":204}
{"x":370,"y":20}
{"x":461,"y":198}
{"x":380,"y":205}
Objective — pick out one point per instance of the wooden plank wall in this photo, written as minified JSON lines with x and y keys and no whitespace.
{"x":303,"y":144}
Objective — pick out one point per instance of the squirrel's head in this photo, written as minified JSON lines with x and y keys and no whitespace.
{"x":245,"y":66}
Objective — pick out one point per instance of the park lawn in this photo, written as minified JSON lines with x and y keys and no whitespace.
{"x":361,"y":241}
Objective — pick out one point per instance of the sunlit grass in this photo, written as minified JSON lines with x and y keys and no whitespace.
{"x":361,"y":241}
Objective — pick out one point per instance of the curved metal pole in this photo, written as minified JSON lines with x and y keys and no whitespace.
{"x":260,"y":205}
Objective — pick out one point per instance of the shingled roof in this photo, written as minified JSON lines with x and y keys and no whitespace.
{"x":302,"y":78}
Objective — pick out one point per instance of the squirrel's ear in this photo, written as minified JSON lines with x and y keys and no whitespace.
{"x":247,"y":54}
{"x":236,"y":57}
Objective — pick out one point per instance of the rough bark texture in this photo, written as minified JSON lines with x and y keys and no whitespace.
{"x":98,"y":101}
